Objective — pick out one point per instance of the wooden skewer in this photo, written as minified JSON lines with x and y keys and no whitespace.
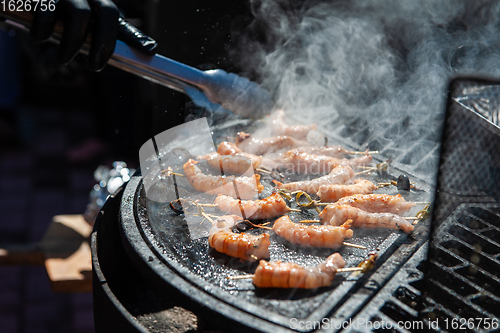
{"x":310,"y":221}
{"x":366,"y":167}
{"x":205,"y":205}
{"x":207,"y":217}
{"x":366,"y":171}
{"x":410,"y":218}
{"x":168,"y":172}
{"x":363,"y":152}
{"x":262,"y":170}
{"x":349,"y":269}
{"x":338,"y":270}
{"x":394,"y":183}
{"x":381,"y":167}
{"x":405,"y":217}
{"x":319,"y":221}
{"x":241,"y":277}
{"x":259,"y":226}
{"x":265,"y":168}
{"x":354,"y":245}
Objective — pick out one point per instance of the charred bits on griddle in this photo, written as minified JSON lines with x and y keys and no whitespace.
{"x":243,"y":225}
{"x":176,"y":207}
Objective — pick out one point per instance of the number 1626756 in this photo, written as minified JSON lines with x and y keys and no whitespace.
{"x":27,"y":5}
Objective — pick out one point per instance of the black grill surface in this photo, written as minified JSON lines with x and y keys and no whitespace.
{"x":460,"y":288}
{"x":405,"y":292}
{"x":160,"y":243}
{"x":166,"y":253}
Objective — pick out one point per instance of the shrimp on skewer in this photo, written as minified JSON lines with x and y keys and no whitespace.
{"x":289,"y":275}
{"x":338,"y":175}
{"x":235,"y":163}
{"x":337,"y":214}
{"x":269,"y":207}
{"x":378,"y":203}
{"x":252,"y":145}
{"x":244,"y":246}
{"x":299,"y":161}
{"x":246,"y":187}
{"x":312,"y":235}
{"x":279,"y":127}
{"x":332,"y":193}
{"x":332,"y":151}
{"x":228,"y":148}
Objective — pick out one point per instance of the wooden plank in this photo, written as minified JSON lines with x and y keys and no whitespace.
{"x":67,"y":254}
{"x":72,"y":274}
{"x":21,"y":255}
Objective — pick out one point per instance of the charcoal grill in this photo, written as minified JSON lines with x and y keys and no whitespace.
{"x":139,"y":272}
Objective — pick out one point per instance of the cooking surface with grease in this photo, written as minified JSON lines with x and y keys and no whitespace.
{"x":183,"y":245}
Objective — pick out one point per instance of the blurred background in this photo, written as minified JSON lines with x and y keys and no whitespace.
{"x":58,"y":124}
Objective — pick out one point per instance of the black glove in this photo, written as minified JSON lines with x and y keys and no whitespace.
{"x":99,"y":17}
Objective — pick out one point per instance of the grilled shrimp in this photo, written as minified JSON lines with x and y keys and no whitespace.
{"x":228,"y":148}
{"x":338,"y":175}
{"x":235,"y":163}
{"x":243,"y":246}
{"x":252,"y":145}
{"x":269,"y":207}
{"x":335,"y":214}
{"x":299,"y":161}
{"x":279,"y":274}
{"x":378,"y":203}
{"x":312,"y":235}
{"x":247,"y":187}
{"x":279,"y":126}
{"x":333,"y":151}
{"x":332,"y":193}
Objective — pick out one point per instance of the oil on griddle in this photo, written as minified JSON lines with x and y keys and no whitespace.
{"x":210,"y":269}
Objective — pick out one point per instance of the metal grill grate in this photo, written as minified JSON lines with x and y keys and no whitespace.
{"x":397,"y":302}
{"x":462,"y":283}
{"x":459,"y":290}
{"x":471,"y":273}
{"x":408,"y":150}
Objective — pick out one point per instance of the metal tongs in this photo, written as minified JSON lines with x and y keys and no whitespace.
{"x":207,"y":89}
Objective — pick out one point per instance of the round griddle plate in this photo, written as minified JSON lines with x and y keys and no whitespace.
{"x":160,"y":244}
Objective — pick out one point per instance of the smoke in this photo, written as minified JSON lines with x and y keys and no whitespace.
{"x":385,"y":63}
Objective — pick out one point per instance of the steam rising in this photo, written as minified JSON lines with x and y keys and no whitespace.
{"x":385,"y":63}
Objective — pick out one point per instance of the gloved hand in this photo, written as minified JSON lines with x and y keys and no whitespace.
{"x":100,"y":18}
